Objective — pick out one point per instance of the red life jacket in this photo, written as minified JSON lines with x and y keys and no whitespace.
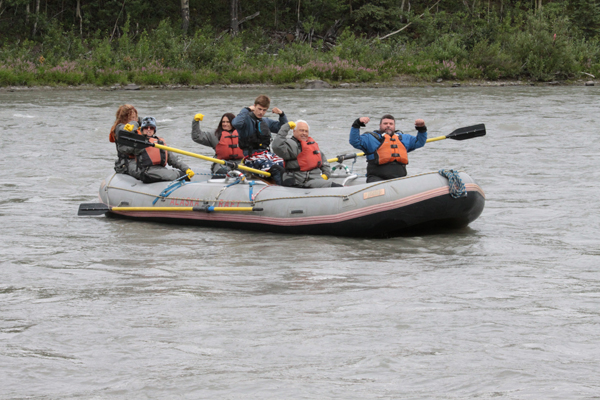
{"x":153,"y":155}
{"x":310,"y":156}
{"x":391,"y":149}
{"x":229,"y":146}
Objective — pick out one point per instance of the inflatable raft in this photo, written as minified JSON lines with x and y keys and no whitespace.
{"x":382,"y":209}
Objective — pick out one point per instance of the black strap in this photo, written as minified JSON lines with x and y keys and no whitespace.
{"x":376,"y":136}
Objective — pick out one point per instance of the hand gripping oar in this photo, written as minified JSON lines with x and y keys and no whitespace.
{"x":137,"y":141}
{"x":101,"y":208}
{"x":468,"y":132}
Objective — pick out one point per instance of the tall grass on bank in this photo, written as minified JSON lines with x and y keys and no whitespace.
{"x":539,"y":47}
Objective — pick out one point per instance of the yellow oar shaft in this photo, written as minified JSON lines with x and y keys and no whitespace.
{"x":435,"y":139}
{"x":182,"y":209}
{"x":152,"y":209}
{"x":215,"y":160}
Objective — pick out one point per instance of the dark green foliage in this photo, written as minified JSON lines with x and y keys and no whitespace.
{"x":141,"y":41}
{"x":585,"y":14}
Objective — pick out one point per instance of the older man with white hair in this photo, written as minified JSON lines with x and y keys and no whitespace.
{"x":305,"y":164}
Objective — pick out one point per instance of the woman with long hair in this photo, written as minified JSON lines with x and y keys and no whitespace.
{"x":224,"y":139}
{"x":146,"y":164}
{"x":126,"y":115}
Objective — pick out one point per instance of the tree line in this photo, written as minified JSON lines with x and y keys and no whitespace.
{"x":29,"y":19}
{"x":210,"y":41}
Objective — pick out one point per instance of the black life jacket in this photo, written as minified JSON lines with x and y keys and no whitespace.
{"x":260,"y":139}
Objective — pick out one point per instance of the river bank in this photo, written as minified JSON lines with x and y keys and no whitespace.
{"x":402,"y":82}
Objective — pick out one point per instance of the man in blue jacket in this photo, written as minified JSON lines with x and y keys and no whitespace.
{"x":255,"y":137}
{"x":386,"y":149}
{"x":254,"y":129}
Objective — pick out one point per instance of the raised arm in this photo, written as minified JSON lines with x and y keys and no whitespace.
{"x":240,"y":121}
{"x":205,"y":138}
{"x":284,"y":147}
{"x":274,"y":126}
{"x":356,"y":140}
{"x":415,"y":142}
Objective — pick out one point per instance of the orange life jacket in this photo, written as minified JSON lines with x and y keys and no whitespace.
{"x":310,"y":156}
{"x":153,"y":155}
{"x":391,"y":149}
{"x":229,"y":146}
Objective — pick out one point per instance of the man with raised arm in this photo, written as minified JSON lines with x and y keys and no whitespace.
{"x":305,"y":164}
{"x":386,"y":149}
{"x":255,"y":136}
{"x":254,"y":128}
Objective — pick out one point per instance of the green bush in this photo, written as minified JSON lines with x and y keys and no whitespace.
{"x":542,"y":56}
{"x":450,"y":44}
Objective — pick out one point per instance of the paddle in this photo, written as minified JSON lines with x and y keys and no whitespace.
{"x":135,"y":140}
{"x":101,"y":208}
{"x":468,"y":132}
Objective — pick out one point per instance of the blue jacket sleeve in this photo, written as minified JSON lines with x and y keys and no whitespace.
{"x":365,"y":142}
{"x":414,"y":142}
{"x":274,"y":126}
{"x":241,"y":120}
{"x":356,"y":140}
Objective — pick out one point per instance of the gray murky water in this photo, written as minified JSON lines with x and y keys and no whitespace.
{"x":105,"y":308}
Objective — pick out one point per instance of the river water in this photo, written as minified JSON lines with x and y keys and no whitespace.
{"x":92,"y":307}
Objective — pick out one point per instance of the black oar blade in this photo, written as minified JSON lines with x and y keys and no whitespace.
{"x":93,"y":209}
{"x":468,"y":132}
{"x":132,"y":139}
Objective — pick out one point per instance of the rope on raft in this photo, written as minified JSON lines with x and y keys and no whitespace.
{"x":457,"y":187}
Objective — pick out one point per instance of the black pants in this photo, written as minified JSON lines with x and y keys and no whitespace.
{"x":383,"y":172}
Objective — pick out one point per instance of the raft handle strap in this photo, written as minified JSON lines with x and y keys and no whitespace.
{"x":250,"y":186}
{"x":176,"y":184}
